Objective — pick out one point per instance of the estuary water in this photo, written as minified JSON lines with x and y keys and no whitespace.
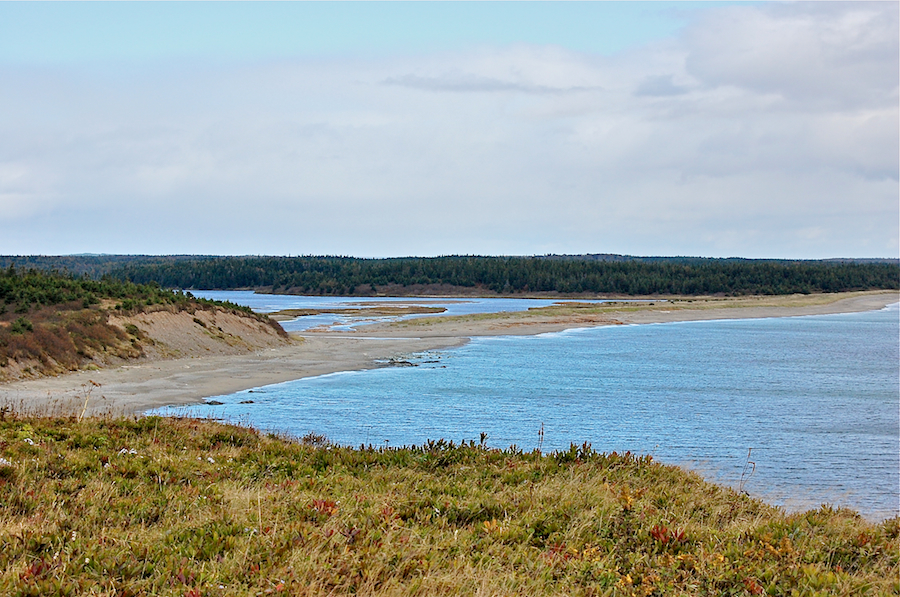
{"x":809,"y":405}
{"x":269,"y":303}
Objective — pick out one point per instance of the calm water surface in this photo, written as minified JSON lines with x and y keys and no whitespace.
{"x":269,"y":303}
{"x":816,"y":398}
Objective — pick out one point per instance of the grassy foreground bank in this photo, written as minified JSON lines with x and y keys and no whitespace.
{"x":155,"y":506}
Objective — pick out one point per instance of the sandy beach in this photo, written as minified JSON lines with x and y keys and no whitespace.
{"x":150,"y":383}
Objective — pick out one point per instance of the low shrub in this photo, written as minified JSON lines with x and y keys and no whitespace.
{"x":155,"y":506}
{"x":21,"y":325}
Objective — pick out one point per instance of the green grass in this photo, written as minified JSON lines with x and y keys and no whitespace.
{"x":155,"y":506}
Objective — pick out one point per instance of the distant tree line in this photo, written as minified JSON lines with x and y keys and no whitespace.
{"x":92,"y":266}
{"x":517,"y":275}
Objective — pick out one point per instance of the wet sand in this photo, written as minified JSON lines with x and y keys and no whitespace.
{"x":134,"y":388}
{"x":146,"y":384}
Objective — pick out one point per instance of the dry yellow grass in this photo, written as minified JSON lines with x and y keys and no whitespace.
{"x":154,"y":506}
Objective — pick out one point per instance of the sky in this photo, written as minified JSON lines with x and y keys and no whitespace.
{"x":373,"y":129}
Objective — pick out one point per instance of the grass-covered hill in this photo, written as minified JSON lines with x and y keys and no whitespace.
{"x":52,"y":323}
{"x":574,"y":275}
{"x":154,"y":506}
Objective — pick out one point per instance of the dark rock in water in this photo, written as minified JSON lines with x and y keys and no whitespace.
{"x":429,"y":362}
{"x":246,"y":402}
{"x":213,"y":402}
{"x":401,"y":364}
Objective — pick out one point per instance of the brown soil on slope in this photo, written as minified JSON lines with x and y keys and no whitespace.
{"x":67,"y":340}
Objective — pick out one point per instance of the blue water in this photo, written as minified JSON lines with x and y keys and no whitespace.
{"x":269,"y":303}
{"x":817,"y":399}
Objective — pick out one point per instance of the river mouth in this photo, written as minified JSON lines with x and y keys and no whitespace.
{"x":813,"y":399}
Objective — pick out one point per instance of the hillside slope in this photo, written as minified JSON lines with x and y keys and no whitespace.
{"x":52,"y":324}
{"x":177,"y":507}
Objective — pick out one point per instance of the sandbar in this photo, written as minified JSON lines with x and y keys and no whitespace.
{"x":150,"y":383}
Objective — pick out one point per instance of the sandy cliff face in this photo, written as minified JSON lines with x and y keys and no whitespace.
{"x":217,"y":331}
{"x":109,"y":338}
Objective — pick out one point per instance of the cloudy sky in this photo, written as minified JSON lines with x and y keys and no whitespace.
{"x":391,"y":129}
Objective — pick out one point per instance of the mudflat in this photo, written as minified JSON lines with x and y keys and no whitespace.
{"x":154,"y":382}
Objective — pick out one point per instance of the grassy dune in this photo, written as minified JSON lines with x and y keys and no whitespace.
{"x":155,"y":506}
{"x":52,"y":323}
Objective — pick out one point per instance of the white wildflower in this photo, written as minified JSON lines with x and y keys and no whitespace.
{"x":5,"y":462}
{"x":28,"y":441}
{"x":210,"y":460}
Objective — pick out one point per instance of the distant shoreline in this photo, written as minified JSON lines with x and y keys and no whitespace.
{"x":557,"y":318}
{"x":146,"y":384}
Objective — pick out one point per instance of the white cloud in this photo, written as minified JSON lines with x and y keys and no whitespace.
{"x":765,"y":130}
{"x":815,"y":53}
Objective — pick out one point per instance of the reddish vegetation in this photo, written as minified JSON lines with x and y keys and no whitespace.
{"x":61,"y":338}
{"x":177,"y":507}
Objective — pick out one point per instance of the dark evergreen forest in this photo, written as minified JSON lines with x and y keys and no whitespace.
{"x":91,"y":266}
{"x":24,"y":291}
{"x":570,"y":275}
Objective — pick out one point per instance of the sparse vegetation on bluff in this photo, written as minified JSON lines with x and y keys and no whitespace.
{"x":154,"y":506}
{"x":52,"y":323}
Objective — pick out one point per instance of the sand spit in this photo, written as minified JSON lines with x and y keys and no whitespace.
{"x":578,"y":315}
{"x":201,"y":373}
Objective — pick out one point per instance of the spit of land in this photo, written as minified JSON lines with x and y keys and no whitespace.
{"x":160,"y":380}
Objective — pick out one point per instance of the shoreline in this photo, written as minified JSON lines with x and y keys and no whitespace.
{"x":563,"y":317}
{"x":134,"y":388}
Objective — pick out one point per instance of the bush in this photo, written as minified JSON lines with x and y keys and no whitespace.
{"x":21,"y":325}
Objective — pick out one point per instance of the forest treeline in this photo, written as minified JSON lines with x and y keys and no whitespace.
{"x":89,"y":265}
{"x":515,"y":275}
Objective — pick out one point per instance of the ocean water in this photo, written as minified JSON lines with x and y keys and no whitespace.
{"x":812,"y":402}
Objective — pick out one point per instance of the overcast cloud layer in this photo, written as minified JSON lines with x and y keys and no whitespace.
{"x":766,"y":130}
